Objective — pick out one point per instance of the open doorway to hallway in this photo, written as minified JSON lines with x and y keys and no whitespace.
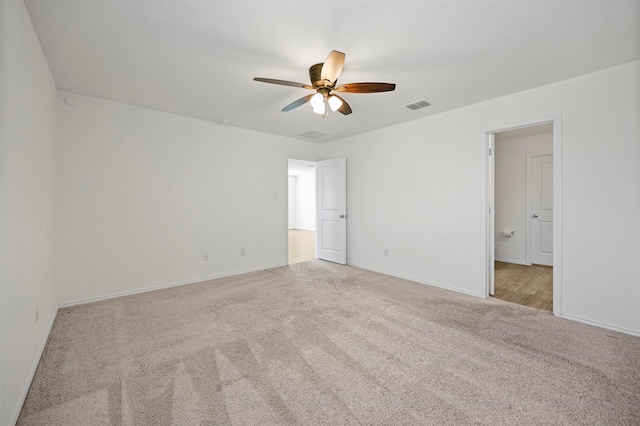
{"x":302,"y":210}
{"x":523,"y":231}
{"x":525,"y":285}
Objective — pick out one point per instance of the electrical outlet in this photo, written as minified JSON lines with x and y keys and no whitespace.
{"x":205,"y":257}
{"x":37,"y":313}
{"x":386,"y":253}
{"x":243,"y":252}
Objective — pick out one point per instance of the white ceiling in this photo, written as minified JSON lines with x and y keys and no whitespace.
{"x":198,"y":58}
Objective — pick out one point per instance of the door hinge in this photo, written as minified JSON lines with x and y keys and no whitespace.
{"x":489,"y":210}
{"x":489,"y":151}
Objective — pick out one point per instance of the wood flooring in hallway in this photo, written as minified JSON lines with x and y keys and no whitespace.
{"x":526,"y":285}
{"x":302,"y":245}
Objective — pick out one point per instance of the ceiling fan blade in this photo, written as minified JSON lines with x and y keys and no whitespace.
{"x":284,"y":83}
{"x":332,"y":66}
{"x":366,"y":87}
{"x":344,"y":108}
{"x":297,"y":103}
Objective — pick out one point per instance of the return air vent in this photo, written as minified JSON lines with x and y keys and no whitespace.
{"x":418,"y":105}
{"x":313,"y":134}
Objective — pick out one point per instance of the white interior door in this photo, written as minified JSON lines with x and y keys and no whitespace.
{"x":331,"y":205}
{"x":540,"y":188}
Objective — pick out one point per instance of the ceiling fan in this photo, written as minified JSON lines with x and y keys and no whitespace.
{"x":324,"y":78}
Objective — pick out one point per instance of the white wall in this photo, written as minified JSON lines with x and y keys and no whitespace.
{"x":293,"y":185}
{"x":28,"y":205}
{"x":511,"y":193}
{"x":417,"y":189}
{"x":306,"y":201}
{"x":144,"y":194}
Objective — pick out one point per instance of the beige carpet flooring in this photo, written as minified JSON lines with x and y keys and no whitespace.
{"x":322,"y":344}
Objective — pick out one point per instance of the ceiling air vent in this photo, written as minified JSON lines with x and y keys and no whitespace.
{"x":312,"y":134}
{"x":418,"y":105}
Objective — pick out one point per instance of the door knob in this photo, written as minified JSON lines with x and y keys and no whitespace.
{"x":535,"y":215}
{"x":341,"y":216}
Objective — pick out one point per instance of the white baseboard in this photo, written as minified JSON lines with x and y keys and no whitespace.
{"x":516,"y":261}
{"x":431,"y":283}
{"x":32,"y":371}
{"x":446,"y":287}
{"x":36,"y":361}
{"x":602,"y":325}
{"x":158,"y":287}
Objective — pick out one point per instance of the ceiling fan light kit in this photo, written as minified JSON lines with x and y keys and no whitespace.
{"x":324,"y":77}
{"x":334,"y":102}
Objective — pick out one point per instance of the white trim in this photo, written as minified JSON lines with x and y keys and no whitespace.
{"x":557,"y":215}
{"x":601,"y":325}
{"x":158,"y":287}
{"x":489,"y":210}
{"x":36,"y":362}
{"x":2,"y":133}
{"x":430,"y":283}
{"x":288,"y":219}
{"x":488,"y":202}
{"x":516,"y":261}
{"x":32,"y":371}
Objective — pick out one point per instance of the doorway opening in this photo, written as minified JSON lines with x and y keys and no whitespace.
{"x":523,"y":221}
{"x":302,"y":210}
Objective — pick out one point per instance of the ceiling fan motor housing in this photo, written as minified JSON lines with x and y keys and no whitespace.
{"x":315,"y":73}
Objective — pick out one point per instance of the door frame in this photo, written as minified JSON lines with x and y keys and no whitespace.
{"x":488,"y":162}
